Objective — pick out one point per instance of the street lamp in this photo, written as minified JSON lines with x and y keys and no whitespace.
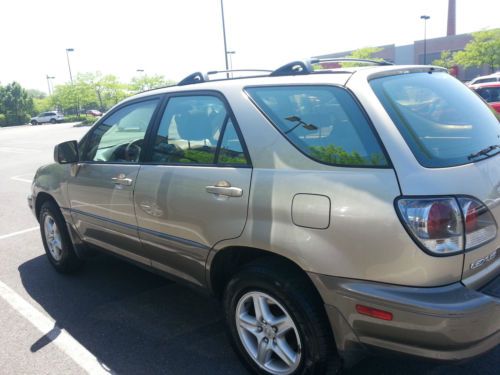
{"x":48,"y":84}
{"x":425,"y":18}
{"x":224,"y":34}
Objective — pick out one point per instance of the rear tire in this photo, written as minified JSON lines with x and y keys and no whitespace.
{"x":56,"y":239}
{"x":292,"y":335}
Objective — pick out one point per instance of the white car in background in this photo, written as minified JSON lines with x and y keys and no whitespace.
{"x":51,"y":116}
{"x":495,"y":77}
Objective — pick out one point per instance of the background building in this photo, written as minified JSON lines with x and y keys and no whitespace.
{"x":414,"y":53}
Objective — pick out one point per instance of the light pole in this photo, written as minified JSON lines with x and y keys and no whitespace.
{"x":230,"y":53}
{"x":68,"y":50}
{"x":48,"y":84}
{"x":224,"y":34}
{"x":425,"y":18}
{"x":143,"y":76}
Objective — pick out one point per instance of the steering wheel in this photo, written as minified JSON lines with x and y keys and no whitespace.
{"x":132,"y":150}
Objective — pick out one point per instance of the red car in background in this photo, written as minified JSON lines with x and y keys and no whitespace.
{"x":489,"y":92}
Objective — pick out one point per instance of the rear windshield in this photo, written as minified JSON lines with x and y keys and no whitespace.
{"x":324,"y":122}
{"x":443,"y":122}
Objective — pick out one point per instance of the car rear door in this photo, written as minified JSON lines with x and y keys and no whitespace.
{"x":193,"y":191}
{"x":101,"y":188}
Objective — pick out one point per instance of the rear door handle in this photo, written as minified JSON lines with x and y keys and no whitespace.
{"x":122,"y":180}
{"x":224,"y":188}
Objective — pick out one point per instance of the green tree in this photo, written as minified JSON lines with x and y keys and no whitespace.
{"x":145,"y":82}
{"x":90,"y":90}
{"x":447,"y":60}
{"x":15,"y":104}
{"x":362,"y":53}
{"x":42,"y":105}
{"x":483,"y":49}
{"x":65,"y":97}
{"x":110,"y":91}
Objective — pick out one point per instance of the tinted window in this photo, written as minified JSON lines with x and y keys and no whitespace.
{"x":190,"y":129}
{"x":490,"y":94}
{"x":120,"y":137}
{"x":324,"y":122}
{"x":441,"y":120}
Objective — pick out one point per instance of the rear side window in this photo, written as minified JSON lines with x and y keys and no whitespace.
{"x":324,"y":122}
{"x":443,"y":122}
{"x":490,"y":94}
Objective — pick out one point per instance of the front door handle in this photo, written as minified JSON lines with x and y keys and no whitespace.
{"x":122,"y":179}
{"x":224,"y":188}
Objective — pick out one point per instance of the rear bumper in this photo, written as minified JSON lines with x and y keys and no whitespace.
{"x":448,"y":323}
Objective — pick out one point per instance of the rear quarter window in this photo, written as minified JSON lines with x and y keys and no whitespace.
{"x":323,"y":122}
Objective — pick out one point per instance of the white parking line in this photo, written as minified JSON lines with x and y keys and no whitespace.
{"x":18,"y":232}
{"x":61,"y":338}
{"x":19,"y":178}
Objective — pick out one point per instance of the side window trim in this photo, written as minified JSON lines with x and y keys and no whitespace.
{"x":84,"y":141}
{"x":153,"y":130}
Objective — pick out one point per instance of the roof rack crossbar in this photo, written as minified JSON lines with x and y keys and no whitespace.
{"x":238,"y":70}
{"x":301,"y":67}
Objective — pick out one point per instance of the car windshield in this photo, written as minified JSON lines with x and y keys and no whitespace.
{"x":442,"y":121}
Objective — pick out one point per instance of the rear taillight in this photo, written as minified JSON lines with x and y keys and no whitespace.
{"x":447,"y":225}
{"x":480,"y":226}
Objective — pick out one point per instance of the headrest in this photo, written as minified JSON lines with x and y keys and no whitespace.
{"x":194,"y":126}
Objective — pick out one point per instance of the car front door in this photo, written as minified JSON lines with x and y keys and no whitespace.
{"x":193,"y":190}
{"x":44,"y":117}
{"x":101,"y":188}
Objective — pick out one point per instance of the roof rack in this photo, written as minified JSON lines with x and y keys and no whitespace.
{"x":199,"y":77}
{"x":298,"y":67}
{"x":301,"y":67}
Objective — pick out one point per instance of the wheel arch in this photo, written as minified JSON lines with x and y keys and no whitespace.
{"x":226,"y":262}
{"x":41,"y":198}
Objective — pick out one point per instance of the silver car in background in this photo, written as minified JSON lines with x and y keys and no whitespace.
{"x":330,"y":210}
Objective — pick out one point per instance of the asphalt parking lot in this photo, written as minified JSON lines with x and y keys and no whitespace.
{"x":113,"y":317}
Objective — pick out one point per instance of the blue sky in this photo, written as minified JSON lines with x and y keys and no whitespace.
{"x":175,"y":38}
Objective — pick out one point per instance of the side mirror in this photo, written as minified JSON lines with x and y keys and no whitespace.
{"x":66,"y":152}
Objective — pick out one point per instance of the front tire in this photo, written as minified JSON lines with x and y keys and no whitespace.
{"x":277,"y":323}
{"x":34,"y":122}
{"x":56,"y":239}
{"x":53,"y":121}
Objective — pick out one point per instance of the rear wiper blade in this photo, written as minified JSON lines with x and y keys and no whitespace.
{"x":484,"y":151}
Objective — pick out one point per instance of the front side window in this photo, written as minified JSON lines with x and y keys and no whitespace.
{"x":191,"y":130}
{"x":120,"y":137}
{"x":324,"y":122}
{"x":443,"y":122}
